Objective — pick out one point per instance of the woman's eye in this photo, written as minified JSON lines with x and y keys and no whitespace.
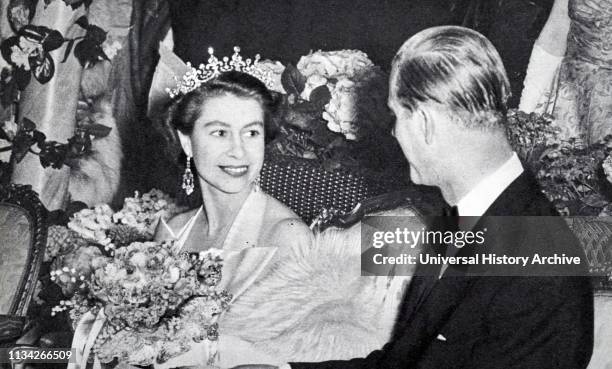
{"x":219,"y":133}
{"x":253,"y":133}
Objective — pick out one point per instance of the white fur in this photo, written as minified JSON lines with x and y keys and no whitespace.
{"x":314,"y":305}
{"x":95,"y":179}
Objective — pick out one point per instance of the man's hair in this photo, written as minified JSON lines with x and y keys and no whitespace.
{"x":457,"y":68}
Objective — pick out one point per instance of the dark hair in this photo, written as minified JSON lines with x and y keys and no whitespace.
{"x":455,"y":67}
{"x":187,"y":109}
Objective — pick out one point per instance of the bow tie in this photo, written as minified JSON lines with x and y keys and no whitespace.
{"x":450,"y":211}
{"x":449,"y":221}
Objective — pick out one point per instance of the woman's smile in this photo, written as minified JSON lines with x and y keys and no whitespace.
{"x":235,"y":170}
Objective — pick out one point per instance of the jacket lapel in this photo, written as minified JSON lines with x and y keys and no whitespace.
{"x":423,"y":283}
{"x":429,"y":302}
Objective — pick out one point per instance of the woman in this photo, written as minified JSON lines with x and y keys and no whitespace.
{"x":570,"y":72}
{"x":221,"y":126}
{"x":312,"y":303}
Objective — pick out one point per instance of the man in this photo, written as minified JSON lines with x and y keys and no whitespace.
{"x":448,"y":91}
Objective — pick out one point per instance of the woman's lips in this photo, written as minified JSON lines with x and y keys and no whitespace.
{"x":235,"y":170}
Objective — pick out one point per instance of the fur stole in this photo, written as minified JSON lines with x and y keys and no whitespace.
{"x":95,"y":178}
{"x":314,"y":305}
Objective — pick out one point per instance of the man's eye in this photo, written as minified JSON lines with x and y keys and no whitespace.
{"x":219,"y":133}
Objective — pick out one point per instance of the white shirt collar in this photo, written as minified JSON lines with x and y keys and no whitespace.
{"x":480,"y":198}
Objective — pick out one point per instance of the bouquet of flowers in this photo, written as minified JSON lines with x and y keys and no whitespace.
{"x":154,"y":299}
{"x":334,"y":111}
{"x":358,"y":90}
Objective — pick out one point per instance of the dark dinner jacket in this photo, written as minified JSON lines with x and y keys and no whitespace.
{"x":472,"y":321}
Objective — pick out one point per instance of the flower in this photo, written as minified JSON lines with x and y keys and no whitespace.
{"x":139,"y":260}
{"x":60,"y":241}
{"x":358,"y":107}
{"x":607,"y":167}
{"x":111,"y":49}
{"x":358,"y":91}
{"x":70,"y":270}
{"x":143,"y":212}
{"x":172,"y":275}
{"x":4,"y":64}
{"x":335,"y":64}
{"x":314,"y":81}
{"x":20,"y":16}
{"x":10,"y":128}
{"x":341,"y":112}
{"x":93,"y":224}
{"x":30,"y":47}
{"x":20,"y":58}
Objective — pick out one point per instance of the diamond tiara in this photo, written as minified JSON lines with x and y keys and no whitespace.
{"x":205,"y":72}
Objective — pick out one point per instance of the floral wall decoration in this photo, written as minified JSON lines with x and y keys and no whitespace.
{"x":25,"y":138}
{"x":73,"y":3}
{"x":28,"y":51}
{"x":27,"y":54}
{"x":20,"y":13}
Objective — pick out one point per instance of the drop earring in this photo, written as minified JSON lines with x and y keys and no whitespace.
{"x":188,"y":183}
{"x":256,"y":183}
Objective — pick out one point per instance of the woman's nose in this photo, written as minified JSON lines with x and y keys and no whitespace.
{"x":237,"y":148}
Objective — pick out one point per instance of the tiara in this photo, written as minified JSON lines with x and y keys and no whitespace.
{"x":205,"y":72}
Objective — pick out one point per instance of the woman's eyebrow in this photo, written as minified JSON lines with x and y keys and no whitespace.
{"x":256,"y":123}
{"x":216,"y":123}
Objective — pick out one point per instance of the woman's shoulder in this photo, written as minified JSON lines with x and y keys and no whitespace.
{"x":283,"y":225}
{"x":275,"y":206}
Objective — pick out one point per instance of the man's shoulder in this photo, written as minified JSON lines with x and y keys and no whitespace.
{"x":523,"y":197}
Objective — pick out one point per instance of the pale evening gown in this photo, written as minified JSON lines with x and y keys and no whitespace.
{"x":301,"y":301}
{"x":576,"y":89}
{"x":244,"y":261}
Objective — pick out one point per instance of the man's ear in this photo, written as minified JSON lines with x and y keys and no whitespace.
{"x":185,"y":143}
{"x":427,"y":125}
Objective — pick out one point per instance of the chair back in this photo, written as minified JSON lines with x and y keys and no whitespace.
{"x":307,"y":187}
{"x":595,"y":236}
{"x":23,"y":234}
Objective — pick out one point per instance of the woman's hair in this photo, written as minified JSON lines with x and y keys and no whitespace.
{"x":456,"y":68}
{"x":186,"y":110}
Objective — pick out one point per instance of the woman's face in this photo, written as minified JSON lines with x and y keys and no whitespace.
{"x":227,"y":143}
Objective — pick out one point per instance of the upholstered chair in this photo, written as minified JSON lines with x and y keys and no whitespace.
{"x":23,"y":235}
{"x":595,"y":235}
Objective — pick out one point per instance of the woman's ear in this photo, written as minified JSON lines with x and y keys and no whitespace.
{"x":185,"y":143}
